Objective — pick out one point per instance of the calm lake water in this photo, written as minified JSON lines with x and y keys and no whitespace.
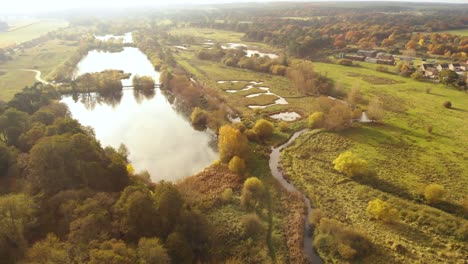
{"x":158,"y":138}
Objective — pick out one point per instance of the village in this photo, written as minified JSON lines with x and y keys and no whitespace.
{"x":429,"y":71}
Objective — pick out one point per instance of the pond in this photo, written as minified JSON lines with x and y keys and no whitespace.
{"x":159,"y":139}
{"x":249,"y":52}
{"x":126,"y":38}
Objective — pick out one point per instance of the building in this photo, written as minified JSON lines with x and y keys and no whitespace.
{"x":443,"y":66}
{"x":354,"y":57}
{"x":368,"y":53}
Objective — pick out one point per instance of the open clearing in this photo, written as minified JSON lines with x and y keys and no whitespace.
{"x":45,"y":57}
{"x":29,"y":31}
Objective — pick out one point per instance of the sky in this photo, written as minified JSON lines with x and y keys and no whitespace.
{"x":28,"y":6}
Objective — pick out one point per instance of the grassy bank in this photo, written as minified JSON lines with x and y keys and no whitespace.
{"x":45,"y":57}
{"x":404,"y":156}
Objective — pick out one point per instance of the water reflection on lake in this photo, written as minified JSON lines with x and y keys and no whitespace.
{"x":158,"y":138}
{"x":129,"y":60}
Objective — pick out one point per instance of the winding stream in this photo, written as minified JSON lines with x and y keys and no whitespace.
{"x":275,"y":157}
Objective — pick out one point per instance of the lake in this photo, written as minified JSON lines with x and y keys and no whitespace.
{"x":159,"y":139}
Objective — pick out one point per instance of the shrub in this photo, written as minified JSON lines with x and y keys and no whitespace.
{"x":350,"y":164}
{"x":252,"y":226}
{"x":338,"y":240}
{"x":237,"y":165}
{"x":417,"y":76}
{"x":381,"y":68}
{"x":253,"y":193}
{"x":283,"y":126}
{"x":448,"y":104}
{"x":199,"y":117}
{"x":428,"y":90}
{"x":434,"y":193}
{"x":263,"y":128}
{"x":227,"y":195}
{"x":429,"y":129}
{"x":315,"y":216}
{"x":381,"y":210}
{"x":345,"y":62}
{"x":316,"y":120}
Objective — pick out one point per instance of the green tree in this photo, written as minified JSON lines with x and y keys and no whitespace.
{"x":70,"y":161}
{"x":231,"y":142}
{"x":137,"y":213}
{"x":253,"y":193}
{"x":113,"y":252}
{"x":381,"y":210}
{"x":179,"y":249}
{"x":169,"y":203}
{"x":350,"y":164}
{"x":434,"y":193}
{"x":17,"y":214}
{"x":12,"y":124}
{"x":49,"y":250}
{"x":237,"y":165}
{"x":448,"y":77}
{"x":151,"y":251}
{"x":263,"y":128}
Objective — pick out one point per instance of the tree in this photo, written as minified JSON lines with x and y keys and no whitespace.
{"x":237,"y":165}
{"x":339,"y":117}
{"x":354,"y":96}
{"x":350,"y":164}
{"x":17,"y":213}
{"x":169,"y":204}
{"x":231,"y":142}
{"x":49,"y":250}
{"x":263,"y":128}
{"x":179,"y":249}
{"x":199,"y":117}
{"x":434,"y":193}
{"x":448,"y":77}
{"x":417,"y":75}
{"x":137,"y":214}
{"x":381,"y":210}
{"x":12,"y":124}
{"x":306,"y":81}
{"x":143,"y":83}
{"x":151,"y":251}
{"x":253,"y":193}
{"x":113,"y":252}
{"x":375,"y":109}
{"x":316,"y":120}
{"x":70,"y":161}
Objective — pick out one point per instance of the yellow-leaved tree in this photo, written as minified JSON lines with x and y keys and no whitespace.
{"x":381,"y":210}
{"x":231,"y":142}
{"x":350,"y":164}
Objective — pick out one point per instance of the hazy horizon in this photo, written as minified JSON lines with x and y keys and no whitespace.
{"x":30,"y":6}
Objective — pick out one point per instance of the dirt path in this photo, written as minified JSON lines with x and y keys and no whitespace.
{"x":37,"y":76}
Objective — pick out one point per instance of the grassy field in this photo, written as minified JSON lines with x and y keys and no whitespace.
{"x":461,"y":32}
{"x":404,"y":157}
{"x":402,"y":154}
{"x":44,"y":57}
{"x":29,"y":31}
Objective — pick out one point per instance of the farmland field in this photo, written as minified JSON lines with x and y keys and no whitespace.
{"x":29,"y":31}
